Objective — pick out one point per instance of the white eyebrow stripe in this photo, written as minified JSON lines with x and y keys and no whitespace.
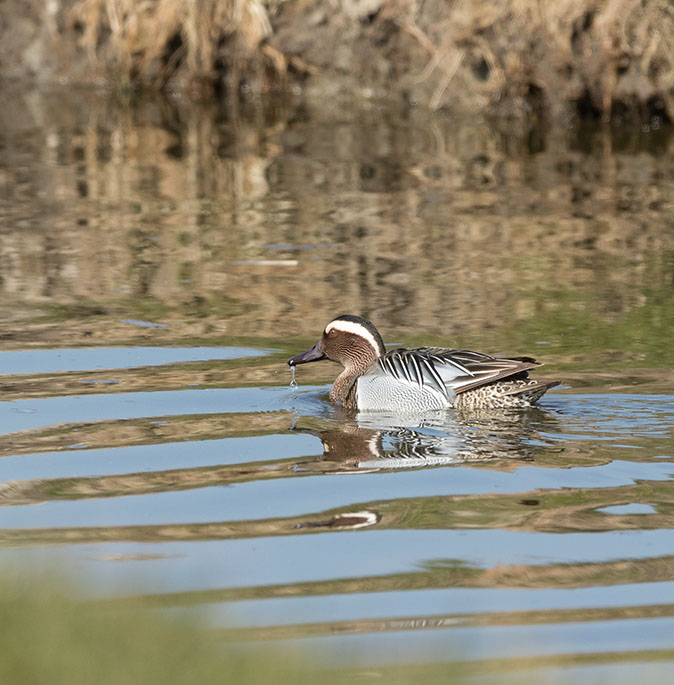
{"x":356,"y":329}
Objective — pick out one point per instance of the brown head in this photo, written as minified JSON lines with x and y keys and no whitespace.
{"x":352,"y":341}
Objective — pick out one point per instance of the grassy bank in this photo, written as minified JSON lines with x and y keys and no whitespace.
{"x":48,"y":637}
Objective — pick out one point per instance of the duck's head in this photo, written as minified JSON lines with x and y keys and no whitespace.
{"x":350,"y":340}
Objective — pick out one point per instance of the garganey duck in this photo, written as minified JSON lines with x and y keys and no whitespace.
{"x":420,"y":379}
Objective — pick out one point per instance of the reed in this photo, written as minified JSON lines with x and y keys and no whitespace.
{"x":189,"y":43}
{"x":600,"y":55}
{"x":596,"y":57}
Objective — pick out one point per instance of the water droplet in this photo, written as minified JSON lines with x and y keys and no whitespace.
{"x":293,"y":382}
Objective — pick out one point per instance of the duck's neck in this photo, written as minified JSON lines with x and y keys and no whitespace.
{"x":344,"y":388}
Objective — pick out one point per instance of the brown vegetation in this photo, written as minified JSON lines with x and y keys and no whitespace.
{"x":152,"y":42}
{"x":596,"y":57}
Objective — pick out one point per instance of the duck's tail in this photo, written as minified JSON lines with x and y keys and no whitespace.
{"x":531,"y":391}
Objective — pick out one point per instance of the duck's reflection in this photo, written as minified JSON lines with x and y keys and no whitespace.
{"x":394,"y":441}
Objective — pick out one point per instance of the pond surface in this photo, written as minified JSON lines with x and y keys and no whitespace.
{"x":158,"y":264}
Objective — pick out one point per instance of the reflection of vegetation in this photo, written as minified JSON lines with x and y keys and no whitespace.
{"x":581,"y":331}
{"x":606,"y":325}
{"x":145,"y":431}
{"x":459,"y":620}
{"x":466,"y":239}
{"x":143,"y":308}
{"x":31,"y":492}
{"x":516,"y":671}
{"x":226,"y":373}
{"x":551,"y":511}
{"x":564,"y":576}
{"x":611,"y":573}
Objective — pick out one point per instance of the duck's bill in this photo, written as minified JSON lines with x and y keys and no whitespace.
{"x":313,"y":355}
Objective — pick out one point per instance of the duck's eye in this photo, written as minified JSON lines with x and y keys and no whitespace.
{"x":332,"y":333}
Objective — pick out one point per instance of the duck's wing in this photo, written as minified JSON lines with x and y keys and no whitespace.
{"x":416,"y":367}
{"x":444,"y":369}
{"x":483,"y":368}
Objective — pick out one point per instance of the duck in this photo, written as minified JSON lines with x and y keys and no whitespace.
{"x":420,"y":379}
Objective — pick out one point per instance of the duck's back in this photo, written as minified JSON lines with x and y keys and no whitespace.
{"x":435,"y":378}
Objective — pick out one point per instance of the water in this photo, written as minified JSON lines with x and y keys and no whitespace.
{"x":160,"y":262}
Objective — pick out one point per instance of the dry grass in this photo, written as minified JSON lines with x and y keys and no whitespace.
{"x":155,"y":41}
{"x":601,"y":53}
{"x":599,"y":57}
